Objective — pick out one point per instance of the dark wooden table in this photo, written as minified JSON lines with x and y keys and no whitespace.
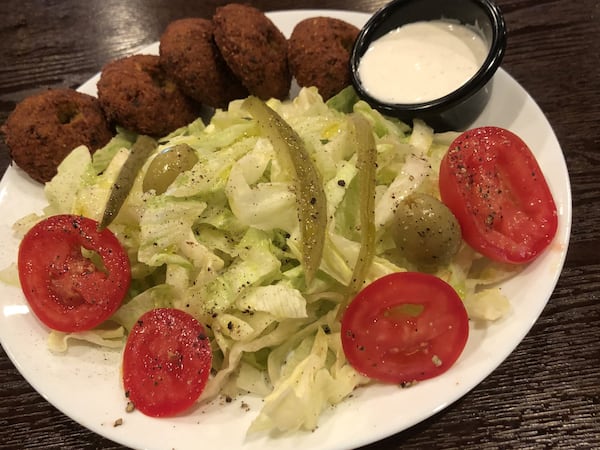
{"x":547,"y":393}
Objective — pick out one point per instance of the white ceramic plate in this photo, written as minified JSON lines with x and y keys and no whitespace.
{"x":85,"y":383}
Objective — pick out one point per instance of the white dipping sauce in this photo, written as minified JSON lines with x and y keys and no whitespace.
{"x":421,"y":61}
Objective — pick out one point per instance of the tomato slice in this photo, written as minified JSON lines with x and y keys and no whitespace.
{"x":493,"y":184}
{"x":404,"y":327}
{"x":166,"y":362}
{"x":66,"y":290}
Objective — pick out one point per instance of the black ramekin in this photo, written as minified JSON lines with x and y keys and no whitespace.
{"x":456,"y":110}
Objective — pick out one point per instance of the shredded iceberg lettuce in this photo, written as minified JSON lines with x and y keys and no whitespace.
{"x":109,"y":337}
{"x":223,"y":243}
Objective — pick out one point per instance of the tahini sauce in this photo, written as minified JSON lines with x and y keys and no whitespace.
{"x":421,"y":61}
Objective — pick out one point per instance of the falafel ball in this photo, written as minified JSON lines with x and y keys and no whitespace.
{"x":189,"y":55}
{"x":136,"y":93}
{"x":319,"y":54}
{"x":254,"y":48}
{"x":44,"y":128}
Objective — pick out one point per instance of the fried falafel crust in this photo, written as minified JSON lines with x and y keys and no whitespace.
{"x":189,"y":55}
{"x":319,"y":54}
{"x":43,"y":129}
{"x":136,"y":93}
{"x":254,"y":48}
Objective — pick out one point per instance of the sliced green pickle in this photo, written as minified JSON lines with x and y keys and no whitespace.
{"x":366,"y":163}
{"x":139,"y":153}
{"x":312,"y":204}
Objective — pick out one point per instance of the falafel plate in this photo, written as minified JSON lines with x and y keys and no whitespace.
{"x":268,"y":291}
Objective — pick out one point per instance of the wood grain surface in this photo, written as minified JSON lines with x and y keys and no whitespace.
{"x":547,"y":393}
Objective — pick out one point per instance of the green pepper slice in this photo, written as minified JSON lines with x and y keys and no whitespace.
{"x":366,"y":162}
{"x":139,"y":153}
{"x":312,"y":204}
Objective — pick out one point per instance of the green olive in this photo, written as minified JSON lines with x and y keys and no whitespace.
{"x":167,"y":165}
{"x":426,"y":232}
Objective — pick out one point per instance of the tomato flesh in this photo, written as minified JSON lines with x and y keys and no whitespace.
{"x":494,"y":186}
{"x":404,"y":327}
{"x":67,"y":290}
{"x":166,"y":362}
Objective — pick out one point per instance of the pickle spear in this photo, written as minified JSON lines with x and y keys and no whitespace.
{"x":310,"y":196}
{"x":139,"y":153}
{"x":366,"y":163}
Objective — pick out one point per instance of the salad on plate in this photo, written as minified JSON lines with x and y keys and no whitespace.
{"x":289,"y":250}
